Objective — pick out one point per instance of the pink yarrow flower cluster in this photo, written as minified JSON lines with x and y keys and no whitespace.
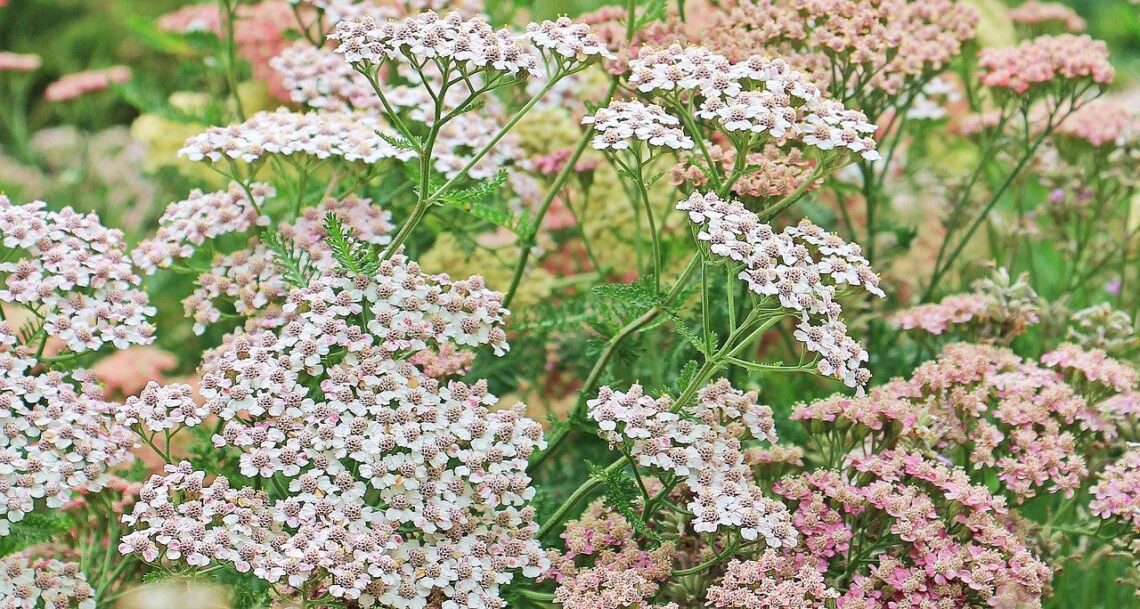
{"x":1103,"y":123}
{"x":1117,"y":492}
{"x":75,"y":275}
{"x":1012,"y":415}
{"x":773,"y":581}
{"x":31,"y":582}
{"x":850,"y":46}
{"x":977,"y":561}
{"x":18,"y":62}
{"x":79,"y":84}
{"x":1045,"y":59}
{"x":1046,"y":13}
{"x":1093,"y":366}
{"x":937,"y":318}
{"x":700,"y":449}
{"x":803,"y":267}
{"x":603,"y":565}
{"x":321,"y":79}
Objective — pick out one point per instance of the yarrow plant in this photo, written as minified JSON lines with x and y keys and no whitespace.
{"x":433,"y":305}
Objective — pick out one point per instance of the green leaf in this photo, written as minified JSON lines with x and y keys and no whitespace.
{"x":472,"y":200}
{"x":35,"y":528}
{"x":351,"y":254}
{"x":638,"y":296}
{"x":654,"y":11}
{"x":294,"y":263}
{"x":478,"y":193}
{"x":690,"y":335}
{"x":400,"y":142}
{"x":685,"y":377}
{"x":623,"y":495}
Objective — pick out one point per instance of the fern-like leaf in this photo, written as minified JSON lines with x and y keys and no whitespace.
{"x":292,"y":262}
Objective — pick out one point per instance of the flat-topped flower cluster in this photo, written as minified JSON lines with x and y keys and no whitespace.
{"x":75,"y":275}
{"x":392,"y":486}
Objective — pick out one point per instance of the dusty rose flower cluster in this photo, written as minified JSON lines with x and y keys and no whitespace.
{"x":79,"y":84}
{"x":76,"y":276}
{"x":30,"y":582}
{"x":997,"y":310}
{"x":771,"y":172}
{"x":696,"y":445}
{"x":1093,"y":366}
{"x":989,"y":407}
{"x":937,"y":318}
{"x":19,"y":62}
{"x":603,"y":565}
{"x":975,"y":561}
{"x":803,"y":267}
{"x":1036,"y":13}
{"x":874,"y":45}
{"x":321,"y":79}
{"x":1103,"y":124}
{"x":1045,"y":59}
{"x":1117,"y":492}
{"x":757,"y":96}
{"x":771,"y":580}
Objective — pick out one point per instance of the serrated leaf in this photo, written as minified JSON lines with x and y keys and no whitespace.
{"x":463,"y":197}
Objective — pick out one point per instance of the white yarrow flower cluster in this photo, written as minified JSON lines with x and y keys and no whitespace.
{"x":698,"y":446}
{"x":567,"y":39}
{"x":803,"y":267}
{"x":60,"y":438}
{"x":321,"y":135}
{"x":199,"y":217}
{"x":74,"y":274}
{"x":250,"y":278}
{"x":622,"y":123}
{"x":758,"y":96}
{"x":401,"y":488}
{"x":321,"y":79}
{"x":31,"y":582}
{"x":471,"y":44}
{"x":162,"y":408}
